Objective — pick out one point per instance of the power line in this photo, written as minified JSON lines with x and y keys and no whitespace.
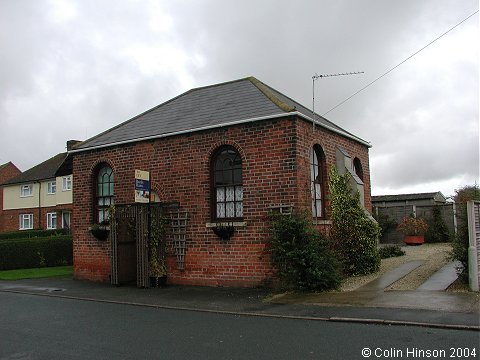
{"x":396,"y":66}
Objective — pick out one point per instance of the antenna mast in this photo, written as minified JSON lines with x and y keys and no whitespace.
{"x":316,"y":77}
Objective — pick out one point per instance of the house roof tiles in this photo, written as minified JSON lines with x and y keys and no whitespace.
{"x":43,"y":171}
{"x":205,"y":107}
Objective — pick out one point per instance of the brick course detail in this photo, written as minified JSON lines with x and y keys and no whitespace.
{"x":275,"y":160}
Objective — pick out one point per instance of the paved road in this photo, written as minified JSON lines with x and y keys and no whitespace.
{"x":37,"y":327}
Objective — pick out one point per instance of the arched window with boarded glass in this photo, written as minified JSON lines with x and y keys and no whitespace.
{"x":104,"y":192}
{"x":227,"y":184}
{"x":317,"y":181}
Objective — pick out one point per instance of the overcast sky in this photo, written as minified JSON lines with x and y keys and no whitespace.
{"x":71,"y":69}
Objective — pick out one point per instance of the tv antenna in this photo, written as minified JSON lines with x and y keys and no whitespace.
{"x":316,"y":77}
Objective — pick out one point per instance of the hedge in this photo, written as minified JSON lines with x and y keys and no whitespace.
{"x":23,"y":234}
{"x":36,"y":252}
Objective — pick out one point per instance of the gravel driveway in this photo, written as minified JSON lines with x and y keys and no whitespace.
{"x":434,"y":255}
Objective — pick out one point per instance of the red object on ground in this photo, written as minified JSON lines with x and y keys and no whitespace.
{"x":414,"y":239}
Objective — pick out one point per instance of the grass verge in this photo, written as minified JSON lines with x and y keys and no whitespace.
{"x":36,"y":273}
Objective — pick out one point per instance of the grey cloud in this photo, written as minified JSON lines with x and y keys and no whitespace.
{"x":81,"y":73}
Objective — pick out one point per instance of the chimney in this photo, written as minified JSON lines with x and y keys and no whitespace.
{"x":71,"y":144}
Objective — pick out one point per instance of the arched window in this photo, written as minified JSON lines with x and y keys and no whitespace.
{"x":227,"y":185}
{"x":104,"y":184}
{"x":357,"y":168}
{"x":317,"y":183}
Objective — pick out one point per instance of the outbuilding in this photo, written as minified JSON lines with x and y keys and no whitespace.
{"x":226,"y":155}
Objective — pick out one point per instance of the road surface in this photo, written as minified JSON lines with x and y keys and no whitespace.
{"x":39,"y":327}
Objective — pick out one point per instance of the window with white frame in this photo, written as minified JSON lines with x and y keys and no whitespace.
{"x":66,"y":220}
{"x":26,"y":221}
{"x":67,"y":183}
{"x":51,"y":220}
{"x":26,"y":190}
{"x":51,"y":187}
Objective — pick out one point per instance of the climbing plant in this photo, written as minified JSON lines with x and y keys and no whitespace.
{"x":354,"y":234}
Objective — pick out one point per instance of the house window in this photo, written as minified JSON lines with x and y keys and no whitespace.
{"x":66,"y":220}
{"x":26,"y":190}
{"x":51,"y":220}
{"x":227,"y":186}
{"x":26,"y":221}
{"x":104,"y":193}
{"x":357,"y":168}
{"x":67,"y":183}
{"x":51,"y":187}
{"x":317,"y":183}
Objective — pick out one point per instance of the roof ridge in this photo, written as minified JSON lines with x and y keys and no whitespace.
{"x":265,"y":89}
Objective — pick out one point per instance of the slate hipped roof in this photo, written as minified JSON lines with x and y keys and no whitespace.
{"x":224,"y":104}
{"x":43,"y":171}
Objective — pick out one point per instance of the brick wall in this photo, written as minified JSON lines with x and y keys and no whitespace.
{"x":8,"y":171}
{"x":329,"y":141}
{"x":275,"y":171}
{"x":11,"y":218}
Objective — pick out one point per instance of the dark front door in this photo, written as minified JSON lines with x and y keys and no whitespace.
{"x":126,"y":251}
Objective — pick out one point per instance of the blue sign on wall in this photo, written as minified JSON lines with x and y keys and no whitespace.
{"x":142,"y":186}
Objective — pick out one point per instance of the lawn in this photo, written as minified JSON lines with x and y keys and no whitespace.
{"x":36,"y":273}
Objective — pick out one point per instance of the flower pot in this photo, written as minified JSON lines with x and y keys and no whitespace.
{"x":224,"y":232}
{"x":100,"y":233}
{"x":414,"y":239}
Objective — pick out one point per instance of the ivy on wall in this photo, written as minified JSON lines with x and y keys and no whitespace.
{"x":354,"y":234}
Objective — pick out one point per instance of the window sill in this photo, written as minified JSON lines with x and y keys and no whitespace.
{"x":236,"y":224}
{"x":322,"y":222}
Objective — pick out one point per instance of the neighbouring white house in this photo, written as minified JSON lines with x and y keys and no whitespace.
{"x":40,"y":197}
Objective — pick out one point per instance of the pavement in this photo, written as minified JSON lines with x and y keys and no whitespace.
{"x":430,"y":305}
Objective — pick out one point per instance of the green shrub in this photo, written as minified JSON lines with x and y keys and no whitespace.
{"x":353,"y":232}
{"x":386,"y":224}
{"x":23,"y":234}
{"x":437,"y":228}
{"x":36,"y":252}
{"x":390,"y":251}
{"x":301,"y":256}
